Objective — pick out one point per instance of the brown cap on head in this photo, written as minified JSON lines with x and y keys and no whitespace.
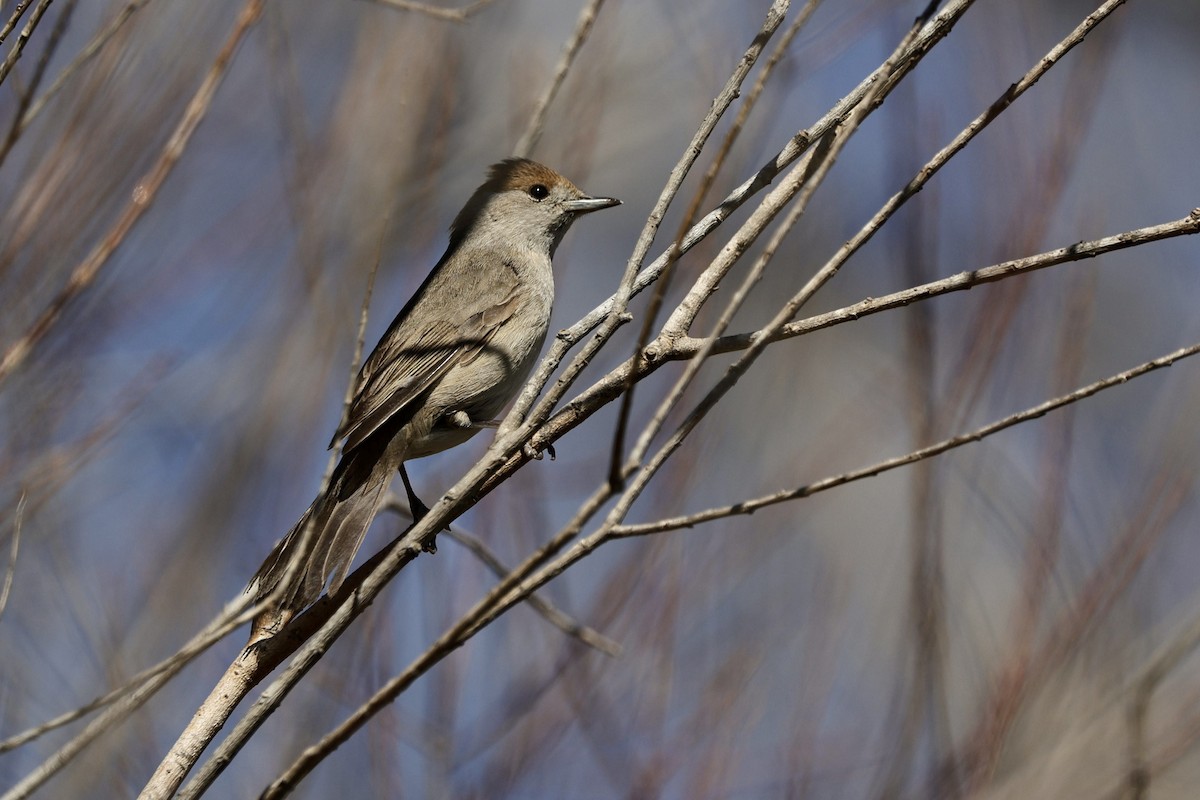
{"x":521,"y":173}
{"x":512,"y":173}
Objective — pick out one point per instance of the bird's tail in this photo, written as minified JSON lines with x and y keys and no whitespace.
{"x":338,"y":519}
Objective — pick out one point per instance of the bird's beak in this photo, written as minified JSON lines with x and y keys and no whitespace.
{"x":585,"y":205}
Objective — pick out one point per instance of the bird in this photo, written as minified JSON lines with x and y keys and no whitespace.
{"x":452,"y":359}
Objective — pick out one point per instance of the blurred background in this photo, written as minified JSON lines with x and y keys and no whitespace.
{"x":980,"y":624}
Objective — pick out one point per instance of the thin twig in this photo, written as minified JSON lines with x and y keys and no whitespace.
{"x":608,"y":387}
{"x":615,"y":310}
{"x":750,"y":506}
{"x":958,"y":282}
{"x":533,"y":131}
{"x":795,"y":147}
{"x":548,"y":611}
{"x":19,"y":46}
{"x":615,"y":469}
{"x":605,"y":390}
{"x":10,"y":26}
{"x":822,"y":161}
{"x":556,"y":617}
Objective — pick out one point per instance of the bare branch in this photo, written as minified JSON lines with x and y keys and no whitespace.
{"x":606,"y":388}
{"x":959,"y":282}
{"x":11,"y":25}
{"x":533,"y":131}
{"x":19,"y":46}
{"x":559,"y":619}
{"x":750,"y":506}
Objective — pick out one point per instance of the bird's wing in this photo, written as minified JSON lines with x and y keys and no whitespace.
{"x":408,"y":361}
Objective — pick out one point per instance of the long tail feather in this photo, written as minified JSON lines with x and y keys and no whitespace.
{"x":339,"y":519}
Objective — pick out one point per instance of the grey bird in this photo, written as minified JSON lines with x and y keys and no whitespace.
{"x":452,"y":359}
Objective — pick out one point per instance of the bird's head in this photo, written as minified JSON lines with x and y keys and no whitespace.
{"x":523,"y":204}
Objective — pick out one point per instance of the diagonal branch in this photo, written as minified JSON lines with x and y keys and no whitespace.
{"x":18,"y":47}
{"x":675,"y":252}
{"x":437,"y":12}
{"x":959,"y":282}
{"x":750,"y":506}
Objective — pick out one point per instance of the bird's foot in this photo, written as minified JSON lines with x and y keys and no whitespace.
{"x":533,"y":454}
{"x":418,"y":511}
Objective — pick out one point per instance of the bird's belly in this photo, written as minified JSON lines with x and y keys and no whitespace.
{"x":480,"y":389}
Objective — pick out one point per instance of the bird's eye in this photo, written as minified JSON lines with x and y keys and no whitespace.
{"x":539,"y":192}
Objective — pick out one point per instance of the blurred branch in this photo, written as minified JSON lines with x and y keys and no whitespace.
{"x":123,"y":700}
{"x":1107,"y":581}
{"x":750,"y":506}
{"x":279,"y":614}
{"x":820,"y":162}
{"x":958,"y":282}
{"x":144,"y":194}
{"x":86,"y":54}
{"x":521,"y":420}
{"x":11,"y":569}
{"x":437,"y":12}
{"x":1026,"y":229}
{"x":25,"y":97}
{"x":256,"y":661}
{"x":674,"y":331}
{"x":533,"y":131}
{"x":1161,"y":664}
